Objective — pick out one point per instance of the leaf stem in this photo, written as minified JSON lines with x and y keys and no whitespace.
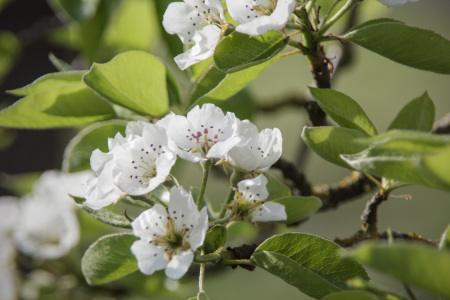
{"x":206,"y":166}
{"x":344,"y":9}
{"x":201,"y":276}
{"x":230,"y":262}
{"x":409,"y":291}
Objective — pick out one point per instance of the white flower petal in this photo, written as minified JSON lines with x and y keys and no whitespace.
{"x":151,"y":223}
{"x":269,"y":211}
{"x":150,"y":258}
{"x":182,"y":208}
{"x":9,"y":213}
{"x":205,"y":41}
{"x":254,"y":189}
{"x":179,"y":264}
{"x":99,"y":160}
{"x":182,"y":19}
{"x":198,"y":233}
{"x":249,"y":13}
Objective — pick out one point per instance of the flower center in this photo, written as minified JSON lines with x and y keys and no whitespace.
{"x":174,"y":239}
{"x":243,"y":207}
{"x":204,"y":139}
{"x":144,"y":164}
{"x":266,"y":9}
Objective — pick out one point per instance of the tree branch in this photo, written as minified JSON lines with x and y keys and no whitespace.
{"x":442,"y":126}
{"x":298,"y":183}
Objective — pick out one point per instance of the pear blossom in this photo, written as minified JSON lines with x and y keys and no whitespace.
{"x":257,"y":17}
{"x":135,"y":164}
{"x":196,"y":22}
{"x":204,"y":133}
{"x":47,"y":225}
{"x":248,"y":202}
{"x":395,"y":3}
{"x":168,"y":239}
{"x":256,"y":151}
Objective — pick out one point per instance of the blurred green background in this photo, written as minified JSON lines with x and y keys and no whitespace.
{"x":380,"y":86}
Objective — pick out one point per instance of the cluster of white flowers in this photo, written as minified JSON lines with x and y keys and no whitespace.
{"x":202,"y":23}
{"x":137,"y":163}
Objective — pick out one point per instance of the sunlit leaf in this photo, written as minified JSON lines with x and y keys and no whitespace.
{"x":420,"y":265}
{"x":343,"y":110}
{"x":307,"y":262}
{"x":411,"y":46}
{"x":330,"y":142}
{"x":239,"y":51}
{"x":121,"y":81}
{"x":416,"y":115}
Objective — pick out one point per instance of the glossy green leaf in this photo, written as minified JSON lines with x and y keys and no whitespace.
{"x":445,"y":240}
{"x":307,"y":262}
{"x":409,"y":156}
{"x":48,"y":82}
{"x":78,"y":152}
{"x":121,"y":81}
{"x":299,"y":208}
{"x":352,"y":295}
{"x":411,"y":46}
{"x":63,"y":106}
{"x":276,"y":188}
{"x":344,"y":110}
{"x":215,"y":238}
{"x":420,"y":265}
{"x":109,"y":258}
{"x":239,"y":51}
{"x":416,"y":115}
{"x":216,"y":86}
{"x":331,"y":142}
{"x":103,"y":215}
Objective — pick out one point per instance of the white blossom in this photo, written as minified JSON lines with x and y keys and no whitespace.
{"x":195,"y":21}
{"x":47,"y":226}
{"x":256,"y":151}
{"x":248,"y":202}
{"x":135,"y":164}
{"x":168,"y":239}
{"x":204,"y":133}
{"x":395,"y":3}
{"x":257,"y":17}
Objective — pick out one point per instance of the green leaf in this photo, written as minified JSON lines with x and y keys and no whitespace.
{"x":63,"y":106}
{"x":343,"y":110}
{"x":239,"y":51}
{"x":307,"y":262}
{"x":445,"y":240}
{"x":416,"y":115}
{"x":103,"y":215}
{"x":48,"y":82}
{"x":78,"y":152}
{"x":420,"y":265}
{"x":299,"y":208}
{"x":411,"y":46}
{"x":59,"y":64}
{"x":79,"y":10}
{"x":109,"y":258}
{"x":216,"y":86}
{"x":10,"y":49}
{"x":331,"y":142}
{"x":134,"y":79}
{"x":215,"y":239}
{"x":352,"y":295}
{"x":408,"y":156}
{"x":276,"y":188}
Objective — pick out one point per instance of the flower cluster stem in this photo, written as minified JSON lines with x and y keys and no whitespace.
{"x":201,"y":278}
{"x":206,"y":166}
{"x":344,"y":9}
{"x":234,"y":179}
